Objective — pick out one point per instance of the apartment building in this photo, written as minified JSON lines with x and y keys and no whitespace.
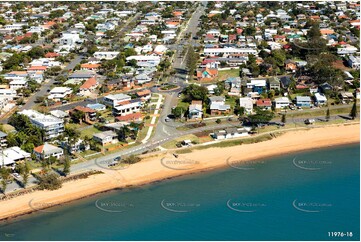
{"x":52,"y":126}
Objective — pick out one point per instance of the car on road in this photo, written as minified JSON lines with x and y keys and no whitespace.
{"x":64,"y":101}
{"x":309,"y":121}
{"x":118,"y":158}
{"x":195,"y":37}
{"x":167,"y":119}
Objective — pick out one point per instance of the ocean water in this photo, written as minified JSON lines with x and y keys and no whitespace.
{"x":301,"y":196}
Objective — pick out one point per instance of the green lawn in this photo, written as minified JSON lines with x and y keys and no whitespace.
{"x":223,"y":75}
{"x":89,"y":132}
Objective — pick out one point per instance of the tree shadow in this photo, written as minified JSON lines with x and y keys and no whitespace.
{"x":60,"y":172}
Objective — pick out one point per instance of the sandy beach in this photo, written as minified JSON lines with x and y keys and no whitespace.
{"x":159,"y":167}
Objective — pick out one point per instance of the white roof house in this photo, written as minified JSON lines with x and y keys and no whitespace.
{"x":58,"y":93}
{"x":107,"y":55}
{"x":247,"y":104}
{"x":229,"y":51}
{"x":145,"y":60}
{"x":320,"y":98}
{"x":281,"y":102}
{"x":114,"y":99}
{"x":10,"y":155}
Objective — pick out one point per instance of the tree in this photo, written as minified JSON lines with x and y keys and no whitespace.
{"x":353,"y":112}
{"x":328,"y":114}
{"x":66,"y":165}
{"x":261,"y":116}
{"x":24,"y":171}
{"x":314,"y":32}
{"x":49,"y":181}
{"x":132,"y":159}
{"x":195,"y":92}
{"x":78,"y":116}
{"x":218,"y":121}
{"x":177,"y":112}
{"x":5,"y":176}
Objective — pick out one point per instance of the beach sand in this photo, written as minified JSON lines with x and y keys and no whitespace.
{"x":163,"y":166}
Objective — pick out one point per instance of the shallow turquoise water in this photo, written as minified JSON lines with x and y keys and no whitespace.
{"x":300,"y":196}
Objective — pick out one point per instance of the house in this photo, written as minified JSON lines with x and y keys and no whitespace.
{"x":145,"y":60}
{"x":132,"y":117}
{"x":59,"y":93}
{"x":264,"y":104}
{"x":144,"y":95}
{"x":81,"y":75}
{"x":285,"y":82}
{"x":320,"y":99}
{"x":303,"y":101}
{"x":3,"y":140}
{"x":281,"y":102}
{"x":59,"y":114}
{"x":18,"y":84}
{"x":211,"y":88}
{"x":353,"y":61}
{"x":96,"y":106}
{"x":10,"y":156}
{"x":230,"y":133}
{"x":346,"y":96}
{"x":195,"y":110}
{"x":247,"y":104}
{"x":90,"y":115}
{"x":107,"y":55}
{"x":290,"y":66}
{"x":127,"y":107}
{"x":52,"y":126}
{"x":207,"y":74}
{"x":274,"y":83}
{"x":78,"y":146}
{"x":106,"y":137}
{"x":142,"y":78}
{"x":90,"y":67}
{"x":229,"y":51}
{"x":256,"y":85}
{"x":113,"y":99}
{"x":10,"y":94}
{"x":88,"y":87}
{"x":217,"y":106}
{"x":46,"y":150}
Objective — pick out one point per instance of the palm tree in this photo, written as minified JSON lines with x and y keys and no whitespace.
{"x":328,"y":114}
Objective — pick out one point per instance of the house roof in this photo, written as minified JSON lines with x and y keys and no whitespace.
{"x":88,"y":65}
{"x":43,"y":68}
{"x":89,"y":83}
{"x":51,"y":55}
{"x":47,"y":149}
{"x":264,"y":102}
{"x":84,"y":109}
{"x":105,"y":134}
{"x":129,"y":117}
{"x":143,"y":93}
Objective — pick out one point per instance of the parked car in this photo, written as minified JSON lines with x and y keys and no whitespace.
{"x":309,"y":121}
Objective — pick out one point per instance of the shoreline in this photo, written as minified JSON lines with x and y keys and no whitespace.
{"x":151,"y":170}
